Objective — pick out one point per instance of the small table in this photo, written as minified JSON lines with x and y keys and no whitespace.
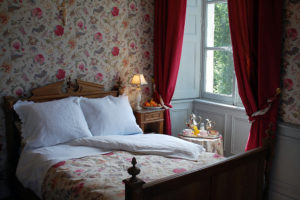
{"x":150,"y":120}
{"x":211,"y":145}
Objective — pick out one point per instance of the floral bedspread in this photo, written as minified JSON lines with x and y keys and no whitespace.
{"x":100,"y":177}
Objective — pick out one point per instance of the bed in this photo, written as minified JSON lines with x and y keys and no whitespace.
{"x":243,"y":176}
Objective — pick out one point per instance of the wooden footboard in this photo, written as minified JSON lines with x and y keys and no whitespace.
{"x":239,"y":177}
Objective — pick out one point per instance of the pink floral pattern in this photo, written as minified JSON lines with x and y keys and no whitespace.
{"x":3,"y":18}
{"x":60,"y":74}
{"x":37,"y":12}
{"x":99,"y":77}
{"x":18,"y":92}
{"x":179,"y":170}
{"x":290,"y":96}
{"x":16,"y":45}
{"x":59,"y":30}
{"x":98,"y":36}
{"x":80,"y":24}
{"x":100,"y":176}
{"x":115,"y":51}
{"x":115,"y":11}
{"x":59,"y":164}
{"x":39,"y":59}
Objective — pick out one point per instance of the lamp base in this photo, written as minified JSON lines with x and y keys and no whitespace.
{"x":138,"y":99}
{"x":138,"y":107}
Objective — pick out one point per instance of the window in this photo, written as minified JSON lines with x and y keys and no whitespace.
{"x":218,"y":81}
{"x":216,"y":75}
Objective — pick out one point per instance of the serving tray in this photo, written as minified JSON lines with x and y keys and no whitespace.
{"x":152,"y":108}
{"x":198,"y":136}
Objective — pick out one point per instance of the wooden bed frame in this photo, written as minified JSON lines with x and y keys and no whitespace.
{"x":240,"y":177}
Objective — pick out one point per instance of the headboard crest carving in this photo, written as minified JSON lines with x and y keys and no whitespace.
{"x":78,"y":88}
{"x":58,"y":91}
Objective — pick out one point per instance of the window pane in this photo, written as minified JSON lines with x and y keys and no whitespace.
{"x":219,"y":72}
{"x":218,"y":33}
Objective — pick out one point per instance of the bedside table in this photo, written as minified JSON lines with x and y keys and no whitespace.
{"x":150,"y":120}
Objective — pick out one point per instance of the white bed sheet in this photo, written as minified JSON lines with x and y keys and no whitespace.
{"x":34,"y":164}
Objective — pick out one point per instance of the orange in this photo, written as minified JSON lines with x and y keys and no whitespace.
{"x":153,"y":104}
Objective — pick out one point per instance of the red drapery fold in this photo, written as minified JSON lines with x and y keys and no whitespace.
{"x":256,"y":34}
{"x":169,"y":23}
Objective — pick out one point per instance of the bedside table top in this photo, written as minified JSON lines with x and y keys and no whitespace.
{"x":148,"y":110}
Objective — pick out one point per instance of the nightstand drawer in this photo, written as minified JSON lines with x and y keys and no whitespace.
{"x":153,"y":116}
{"x":150,"y":120}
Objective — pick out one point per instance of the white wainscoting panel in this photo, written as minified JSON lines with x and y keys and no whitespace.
{"x":239,"y":134}
{"x":179,"y":115}
{"x":186,"y":82}
{"x":285,"y":176}
{"x":191,"y":3}
{"x":191,"y":26}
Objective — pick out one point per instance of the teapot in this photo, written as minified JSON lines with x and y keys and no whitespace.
{"x":193,"y":121}
{"x":210,"y":124}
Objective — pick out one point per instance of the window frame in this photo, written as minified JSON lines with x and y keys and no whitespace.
{"x":227,"y":99}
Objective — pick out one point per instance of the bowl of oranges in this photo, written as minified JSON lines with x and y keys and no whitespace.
{"x":151,"y":105}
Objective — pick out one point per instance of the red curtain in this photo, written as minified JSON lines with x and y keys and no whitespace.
{"x":169,"y":23}
{"x":256,"y":34}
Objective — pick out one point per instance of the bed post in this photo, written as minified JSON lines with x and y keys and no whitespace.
{"x":133,"y":185}
{"x":269,"y":144}
{"x":12,"y":139}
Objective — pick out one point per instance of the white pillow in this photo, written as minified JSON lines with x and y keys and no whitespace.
{"x":110,"y":116}
{"x":50,"y":123}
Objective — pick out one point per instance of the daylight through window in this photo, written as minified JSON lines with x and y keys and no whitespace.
{"x":206,"y":67}
{"x":218,"y":59}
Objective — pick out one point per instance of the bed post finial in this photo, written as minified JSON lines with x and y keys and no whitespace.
{"x":133,"y":185}
{"x":133,"y":171}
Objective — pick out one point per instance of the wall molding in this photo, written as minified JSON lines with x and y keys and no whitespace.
{"x":179,"y":114}
{"x":284,"y":180}
{"x":289,"y":130}
{"x":238,"y":141}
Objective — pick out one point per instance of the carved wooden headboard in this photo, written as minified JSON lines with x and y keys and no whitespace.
{"x":46,"y":93}
{"x":56,"y":91}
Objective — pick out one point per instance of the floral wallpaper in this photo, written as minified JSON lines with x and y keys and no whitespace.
{"x":290,"y":98}
{"x":97,"y":41}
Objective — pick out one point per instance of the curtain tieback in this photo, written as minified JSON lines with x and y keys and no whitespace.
{"x":260,"y":113}
{"x":165,"y":106}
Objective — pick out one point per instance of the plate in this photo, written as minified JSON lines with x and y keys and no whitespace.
{"x":152,"y":108}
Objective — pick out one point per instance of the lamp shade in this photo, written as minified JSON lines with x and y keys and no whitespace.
{"x":138,"y":79}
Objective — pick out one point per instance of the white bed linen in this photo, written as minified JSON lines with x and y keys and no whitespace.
{"x":157,"y":144}
{"x":114,"y":113}
{"x":34,"y":164}
{"x":52,"y":122}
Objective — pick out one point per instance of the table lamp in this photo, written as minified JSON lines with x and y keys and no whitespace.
{"x":138,"y":79}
